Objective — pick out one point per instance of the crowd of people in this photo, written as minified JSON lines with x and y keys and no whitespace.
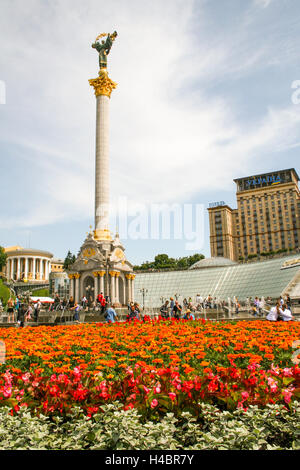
{"x":22,"y":310}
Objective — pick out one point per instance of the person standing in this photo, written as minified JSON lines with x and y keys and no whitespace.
{"x":21,"y":314}
{"x":28,"y":314}
{"x":177,"y":310}
{"x":10,"y":310}
{"x":76,"y":309}
{"x":288,"y":302}
{"x":172,"y":304}
{"x":111,"y":316}
{"x":37,"y":308}
{"x":164,"y":309}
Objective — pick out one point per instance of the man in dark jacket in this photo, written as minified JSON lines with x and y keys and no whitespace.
{"x":21,"y":314}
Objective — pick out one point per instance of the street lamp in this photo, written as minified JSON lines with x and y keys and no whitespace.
{"x":106,"y":248}
{"x":143,"y":292}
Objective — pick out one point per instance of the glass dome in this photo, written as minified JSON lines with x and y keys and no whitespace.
{"x":213,"y":263}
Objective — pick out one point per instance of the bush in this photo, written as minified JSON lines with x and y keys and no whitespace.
{"x":271,"y":428}
{"x":40,"y":293}
{"x":4,"y":293}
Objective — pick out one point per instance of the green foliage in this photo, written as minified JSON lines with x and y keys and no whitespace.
{"x":40,"y":293}
{"x":4,"y":293}
{"x":252,"y":255}
{"x":162,"y":261}
{"x":69,"y":260}
{"x":270,"y":428}
{"x":3,"y":257}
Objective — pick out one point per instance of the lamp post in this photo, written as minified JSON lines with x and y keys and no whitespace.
{"x":106,"y":248}
{"x":143,"y":292}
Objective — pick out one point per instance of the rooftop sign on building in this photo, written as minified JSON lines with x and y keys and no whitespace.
{"x":216,"y":204}
{"x":268,"y":179}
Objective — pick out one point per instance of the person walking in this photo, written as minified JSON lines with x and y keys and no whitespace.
{"x":76,"y":309}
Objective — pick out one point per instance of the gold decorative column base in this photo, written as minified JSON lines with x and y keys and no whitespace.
{"x":102,"y":235}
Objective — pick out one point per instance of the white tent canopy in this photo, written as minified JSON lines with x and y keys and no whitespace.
{"x":43,"y":300}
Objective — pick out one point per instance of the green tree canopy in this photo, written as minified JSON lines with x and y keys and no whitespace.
{"x":3,"y":257}
{"x":162,"y":261}
{"x":69,"y":260}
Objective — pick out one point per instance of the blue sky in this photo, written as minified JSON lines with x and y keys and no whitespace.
{"x":204,"y":96}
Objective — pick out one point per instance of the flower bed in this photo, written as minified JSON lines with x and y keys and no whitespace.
{"x":156,"y":366}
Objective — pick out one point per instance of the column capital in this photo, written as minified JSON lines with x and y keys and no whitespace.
{"x":101,"y":273}
{"x":117,"y":273}
{"x":71,"y":276}
{"x":103,"y":85}
{"x":112,"y":273}
{"x":77,"y":275}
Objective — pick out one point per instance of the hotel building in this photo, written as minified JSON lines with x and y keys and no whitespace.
{"x":267,"y":218}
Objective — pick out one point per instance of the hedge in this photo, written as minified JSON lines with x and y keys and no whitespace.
{"x":271,"y":428}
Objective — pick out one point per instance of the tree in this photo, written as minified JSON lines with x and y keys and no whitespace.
{"x":3,"y":257}
{"x":162,"y":261}
{"x":69,"y":260}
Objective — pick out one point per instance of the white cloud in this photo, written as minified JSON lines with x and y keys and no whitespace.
{"x":169,"y":140}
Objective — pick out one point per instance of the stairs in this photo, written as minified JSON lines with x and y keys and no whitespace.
{"x":293,"y":288}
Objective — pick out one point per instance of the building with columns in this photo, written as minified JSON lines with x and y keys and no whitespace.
{"x":101,"y":265}
{"x":27,"y":264}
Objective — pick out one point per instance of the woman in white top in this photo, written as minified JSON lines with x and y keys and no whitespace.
{"x":285,"y":313}
{"x":273,"y":313}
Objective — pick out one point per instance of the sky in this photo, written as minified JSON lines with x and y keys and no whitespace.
{"x":204,"y":96}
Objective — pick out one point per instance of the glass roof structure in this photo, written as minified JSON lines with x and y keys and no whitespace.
{"x":262,"y":278}
{"x":213,"y":263}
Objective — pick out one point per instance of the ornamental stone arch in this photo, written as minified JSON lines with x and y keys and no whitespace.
{"x":88,"y":286}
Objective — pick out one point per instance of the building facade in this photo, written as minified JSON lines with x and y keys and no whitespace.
{"x":59,"y":283}
{"x":27,"y":264}
{"x":267,"y":218}
{"x":57,"y":265}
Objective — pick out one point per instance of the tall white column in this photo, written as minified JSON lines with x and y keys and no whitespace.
{"x":77,"y":297}
{"x":26,"y":267}
{"x":71,"y":290}
{"x":13,"y":268}
{"x":102,"y":164}
{"x":33,"y":268}
{"x":96,"y":286}
{"x":132,"y":287}
{"x":102,"y":283}
{"x":112,"y":287}
{"x":18,"y":268}
{"x":117,"y":288}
